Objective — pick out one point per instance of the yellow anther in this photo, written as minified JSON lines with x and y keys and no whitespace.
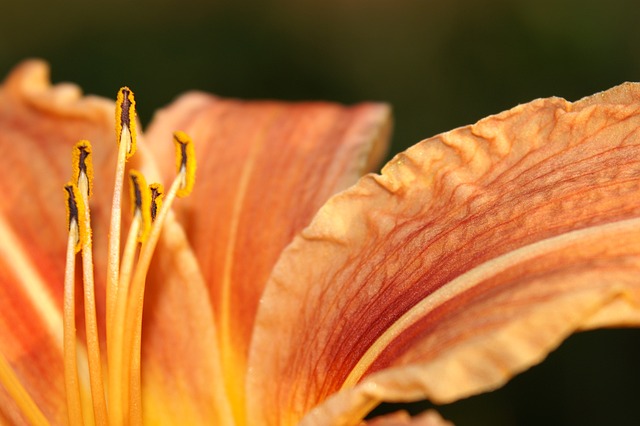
{"x":75,"y":210}
{"x":185,"y":162}
{"x":140,"y":202}
{"x":126,"y":120}
{"x":82,"y":168}
{"x":157,"y":193}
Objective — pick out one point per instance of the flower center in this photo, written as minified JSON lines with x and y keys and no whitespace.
{"x":126,"y":274}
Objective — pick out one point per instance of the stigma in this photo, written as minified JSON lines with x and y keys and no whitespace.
{"x":115,"y":397}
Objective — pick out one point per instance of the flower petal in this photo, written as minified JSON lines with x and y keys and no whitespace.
{"x":473,"y":254}
{"x":264,"y":168}
{"x":40,"y":124}
{"x":182,"y":378}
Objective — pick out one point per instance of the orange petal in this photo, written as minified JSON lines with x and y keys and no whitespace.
{"x":264,"y":168}
{"x":181,"y":373}
{"x":473,"y":254}
{"x":39,"y":125}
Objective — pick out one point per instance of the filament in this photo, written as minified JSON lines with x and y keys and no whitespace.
{"x":91,"y":324}
{"x":71,"y":382}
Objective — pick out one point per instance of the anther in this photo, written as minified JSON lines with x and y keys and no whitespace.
{"x":141,"y":202}
{"x":73,"y":198}
{"x":126,"y":120}
{"x":185,"y":162}
{"x":157,"y":192}
{"x":82,"y":167}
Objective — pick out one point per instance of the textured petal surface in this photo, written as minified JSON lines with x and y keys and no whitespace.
{"x":264,"y":168}
{"x":39,"y":126}
{"x":473,"y":254}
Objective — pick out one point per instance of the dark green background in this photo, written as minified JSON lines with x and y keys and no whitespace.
{"x":440,"y":64}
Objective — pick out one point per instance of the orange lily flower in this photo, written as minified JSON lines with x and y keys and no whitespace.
{"x":271,"y":301}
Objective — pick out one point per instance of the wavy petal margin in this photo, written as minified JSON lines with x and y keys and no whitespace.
{"x":466,"y":261}
{"x":264,"y":168}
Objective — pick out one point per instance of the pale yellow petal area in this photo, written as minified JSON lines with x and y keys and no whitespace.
{"x":467,"y":260}
{"x":500,"y":318}
{"x":264,"y":168}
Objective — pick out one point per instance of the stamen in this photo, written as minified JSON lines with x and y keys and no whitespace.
{"x":125,"y":284}
{"x":21,"y":397}
{"x":71,"y":381}
{"x":83,"y":177}
{"x":133,"y":319}
{"x":140,"y":200}
{"x":126,"y":137}
{"x":133,"y":373}
{"x":136,"y":234}
{"x":185,"y":162}
{"x":133,"y":331}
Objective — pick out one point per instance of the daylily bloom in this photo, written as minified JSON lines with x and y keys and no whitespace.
{"x":284,"y":289}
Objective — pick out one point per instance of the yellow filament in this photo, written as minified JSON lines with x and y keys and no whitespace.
{"x":128,"y":258}
{"x":119,"y":370}
{"x":114,"y":237}
{"x":19,"y":394}
{"x":135,"y":409}
{"x":140,"y":201}
{"x":71,"y":382}
{"x":91,"y":324}
{"x":112,"y":287}
{"x":156,"y":193}
{"x":126,"y":136}
{"x":185,"y":162}
{"x":133,"y":330}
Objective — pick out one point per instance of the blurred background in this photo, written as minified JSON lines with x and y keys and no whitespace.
{"x":440,"y":64}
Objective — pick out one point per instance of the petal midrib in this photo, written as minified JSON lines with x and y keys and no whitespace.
{"x":471,"y":278}
{"x":31,"y":281}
